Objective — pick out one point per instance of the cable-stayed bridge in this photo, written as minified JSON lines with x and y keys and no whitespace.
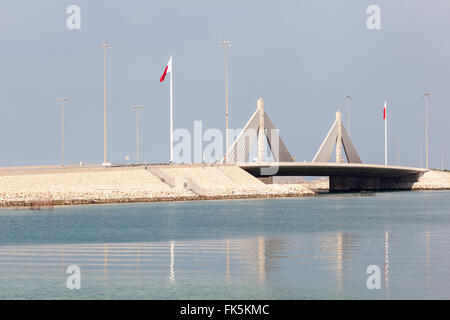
{"x":352,"y":175}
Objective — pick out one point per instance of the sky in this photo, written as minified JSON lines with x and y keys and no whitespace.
{"x":302,"y":57}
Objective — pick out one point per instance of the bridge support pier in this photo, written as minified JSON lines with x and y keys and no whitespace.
{"x":400,"y":183}
{"x":346,"y":183}
{"x":349,"y":183}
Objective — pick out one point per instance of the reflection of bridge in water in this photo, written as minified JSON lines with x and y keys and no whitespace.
{"x":350,"y":176}
{"x":336,"y":258}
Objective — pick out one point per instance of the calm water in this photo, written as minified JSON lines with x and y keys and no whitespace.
{"x":310,"y":248}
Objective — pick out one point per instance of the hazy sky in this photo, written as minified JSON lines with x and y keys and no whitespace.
{"x":303,"y":57}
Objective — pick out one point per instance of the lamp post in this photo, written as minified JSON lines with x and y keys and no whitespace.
{"x":104,"y":46}
{"x":398,"y":149}
{"x":62,"y":127}
{"x":442,"y":156}
{"x":347,"y":99}
{"x":137,"y":108}
{"x":427,"y":97}
{"x":420,"y":152}
{"x":226,"y":44}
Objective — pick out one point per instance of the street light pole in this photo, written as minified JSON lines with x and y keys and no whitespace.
{"x":348,"y":98}
{"x":420,"y":153}
{"x":226,"y":44}
{"x":137,"y":130}
{"x":62,"y":127}
{"x":427,"y":97}
{"x":398,"y":150}
{"x":104,"y":46}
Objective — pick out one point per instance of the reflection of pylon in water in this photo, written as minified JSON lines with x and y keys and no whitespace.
{"x":337,"y":136}
{"x":261,"y":128}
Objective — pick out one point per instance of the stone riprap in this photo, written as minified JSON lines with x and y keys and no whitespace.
{"x":66,"y":186}
{"x":433,"y":180}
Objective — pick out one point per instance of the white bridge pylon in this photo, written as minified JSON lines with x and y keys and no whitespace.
{"x":259,"y":128}
{"x":337,"y":136}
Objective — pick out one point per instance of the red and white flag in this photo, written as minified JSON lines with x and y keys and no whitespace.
{"x":167,"y":70}
{"x":384,"y":110}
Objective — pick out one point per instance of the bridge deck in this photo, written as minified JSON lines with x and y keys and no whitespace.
{"x":329,"y":169}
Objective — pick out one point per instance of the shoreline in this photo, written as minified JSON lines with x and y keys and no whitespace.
{"x":44,"y":188}
{"x":35,"y":189}
{"x":81,"y":202}
{"x":48,"y":205}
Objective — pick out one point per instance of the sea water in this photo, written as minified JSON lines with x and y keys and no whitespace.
{"x":324,"y":247}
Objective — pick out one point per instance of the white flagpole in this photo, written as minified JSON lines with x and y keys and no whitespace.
{"x":171,"y":112}
{"x":385,"y":134}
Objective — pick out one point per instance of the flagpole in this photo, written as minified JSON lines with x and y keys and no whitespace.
{"x":171,"y":112}
{"x":385,"y":135}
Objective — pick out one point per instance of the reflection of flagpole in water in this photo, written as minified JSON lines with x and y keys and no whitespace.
{"x":262,"y":258}
{"x":427,"y":243}
{"x":138,"y":266}
{"x":339,"y":261}
{"x":172,"y":260}
{"x":386,"y":260}
{"x":63,"y":259}
{"x":106,"y":261}
{"x":228,"y":259}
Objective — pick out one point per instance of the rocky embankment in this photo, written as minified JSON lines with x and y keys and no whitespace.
{"x":47,"y":187}
{"x":433,"y":180}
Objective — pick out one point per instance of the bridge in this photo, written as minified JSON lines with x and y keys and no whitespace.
{"x":343,"y":176}
{"x":352,"y":175}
